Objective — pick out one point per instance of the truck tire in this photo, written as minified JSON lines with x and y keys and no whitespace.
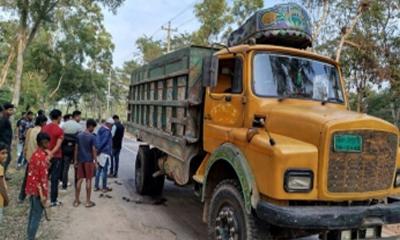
{"x":145,"y":166}
{"x":228,"y":219}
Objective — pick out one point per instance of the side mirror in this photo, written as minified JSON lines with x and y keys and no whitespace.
{"x":210,"y":71}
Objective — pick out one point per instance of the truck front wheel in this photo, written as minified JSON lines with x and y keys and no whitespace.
{"x":145,"y":167}
{"x":228,"y":219}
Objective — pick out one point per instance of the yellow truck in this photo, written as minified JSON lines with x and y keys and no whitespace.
{"x":263,"y":131}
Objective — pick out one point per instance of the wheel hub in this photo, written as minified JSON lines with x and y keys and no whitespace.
{"x":226,"y":227}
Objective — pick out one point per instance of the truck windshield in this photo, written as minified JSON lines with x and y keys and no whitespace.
{"x":285,"y":76}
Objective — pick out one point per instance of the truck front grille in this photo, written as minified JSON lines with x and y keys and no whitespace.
{"x":369,"y":170}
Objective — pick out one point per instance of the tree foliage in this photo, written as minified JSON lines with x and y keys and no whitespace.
{"x":68,"y":58}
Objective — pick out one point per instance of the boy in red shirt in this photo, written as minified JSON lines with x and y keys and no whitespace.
{"x":37,"y":184}
{"x":56,"y":138}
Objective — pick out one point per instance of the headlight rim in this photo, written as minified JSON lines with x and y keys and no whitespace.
{"x":300,"y":173}
{"x":395,"y":184}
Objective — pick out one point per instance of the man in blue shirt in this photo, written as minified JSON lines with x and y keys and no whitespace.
{"x":104,"y":152}
{"x":85,"y":160}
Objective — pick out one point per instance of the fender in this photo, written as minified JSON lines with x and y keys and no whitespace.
{"x":232,"y":155}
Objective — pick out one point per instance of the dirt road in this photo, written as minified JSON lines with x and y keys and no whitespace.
{"x":114,"y":218}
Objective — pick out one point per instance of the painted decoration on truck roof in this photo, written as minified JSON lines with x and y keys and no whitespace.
{"x":284,"y":24}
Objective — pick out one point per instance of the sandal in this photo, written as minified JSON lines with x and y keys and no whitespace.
{"x":76,"y":203}
{"x":90,"y":204}
{"x":106,"y":190}
{"x":118,"y":183}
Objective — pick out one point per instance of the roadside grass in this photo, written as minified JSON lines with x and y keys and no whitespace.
{"x":15,"y":217}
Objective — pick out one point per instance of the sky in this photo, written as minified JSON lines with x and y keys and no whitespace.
{"x":138,"y":17}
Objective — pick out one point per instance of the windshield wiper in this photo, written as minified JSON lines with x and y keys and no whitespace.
{"x":331,"y":99}
{"x":293,"y":95}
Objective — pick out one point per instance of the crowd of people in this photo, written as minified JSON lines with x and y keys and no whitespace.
{"x":46,"y":149}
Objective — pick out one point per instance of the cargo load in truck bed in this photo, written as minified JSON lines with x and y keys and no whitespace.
{"x":165,"y":102}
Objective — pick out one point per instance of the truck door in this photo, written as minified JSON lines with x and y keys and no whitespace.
{"x":224,"y":103}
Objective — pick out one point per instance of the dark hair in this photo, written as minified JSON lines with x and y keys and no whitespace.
{"x":116,"y":117}
{"x":8,"y":105}
{"x":91,"y":123}
{"x":3,"y":146}
{"x":67,"y":117}
{"x":76,"y":113}
{"x":41,"y":137}
{"x":55,"y":114}
{"x":40,"y":112}
{"x":29,"y":113}
{"x":40,"y":120}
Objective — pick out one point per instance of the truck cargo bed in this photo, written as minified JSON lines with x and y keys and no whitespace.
{"x":165,"y":102}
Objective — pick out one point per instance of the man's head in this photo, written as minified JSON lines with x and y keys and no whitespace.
{"x":76,"y":115}
{"x":116,"y":118}
{"x":41,"y":121}
{"x":8,"y":109}
{"x":91,"y":125}
{"x":23,"y":115}
{"x":3,"y":152}
{"x":40,"y":113}
{"x":29,"y":115}
{"x":55,"y":116}
{"x":67,"y":117}
{"x":43,"y":140}
{"x":109,"y":122}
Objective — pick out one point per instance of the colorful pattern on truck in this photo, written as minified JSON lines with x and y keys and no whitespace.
{"x":232,"y":155}
{"x":284,"y":24}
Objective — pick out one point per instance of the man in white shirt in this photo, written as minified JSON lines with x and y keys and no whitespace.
{"x":73,"y":125}
{"x":71,"y":129}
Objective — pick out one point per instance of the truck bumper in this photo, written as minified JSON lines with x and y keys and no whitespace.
{"x":328,"y":217}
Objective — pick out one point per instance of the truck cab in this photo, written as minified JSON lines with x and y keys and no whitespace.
{"x":311,"y":164}
{"x":262,"y":129}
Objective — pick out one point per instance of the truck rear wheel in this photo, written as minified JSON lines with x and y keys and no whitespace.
{"x":228,"y":219}
{"x":145,"y":167}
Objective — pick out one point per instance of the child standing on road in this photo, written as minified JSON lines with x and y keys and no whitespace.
{"x":3,"y":186}
{"x":37,"y":184}
{"x":85,"y":160}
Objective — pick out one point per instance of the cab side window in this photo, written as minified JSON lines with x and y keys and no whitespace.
{"x":229,"y":76}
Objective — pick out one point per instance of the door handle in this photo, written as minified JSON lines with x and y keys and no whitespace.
{"x":228,"y":98}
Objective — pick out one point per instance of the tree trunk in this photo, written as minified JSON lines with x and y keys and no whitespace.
{"x":321,"y":21}
{"x":359,"y":100}
{"x":6,"y":67}
{"x":348,"y":30}
{"x":20,"y":66}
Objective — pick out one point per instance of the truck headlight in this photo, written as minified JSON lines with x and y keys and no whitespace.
{"x":397,"y":179}
{"x":298,"y":181}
